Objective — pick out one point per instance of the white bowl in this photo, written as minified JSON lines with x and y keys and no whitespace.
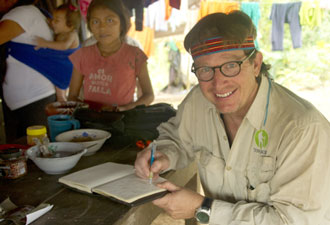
{"x":94,"y":138}
{"x":58,"y":165}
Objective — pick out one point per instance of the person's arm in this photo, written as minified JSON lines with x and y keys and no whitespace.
{"x":9,"y":30}
{"x":57,"y":45}
{"x":147,"y":92}
{"x":174,"y":145}
{"x":75,"y":85}
{"x":60,"y":94}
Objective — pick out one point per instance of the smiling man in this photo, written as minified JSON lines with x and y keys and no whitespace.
{"x":262,"y":152}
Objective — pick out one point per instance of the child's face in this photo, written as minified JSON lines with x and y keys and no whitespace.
{"x":105,"y":25}
{"x":59,"y":23}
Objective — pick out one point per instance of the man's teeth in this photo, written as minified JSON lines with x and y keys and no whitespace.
{"x":224,"y":95}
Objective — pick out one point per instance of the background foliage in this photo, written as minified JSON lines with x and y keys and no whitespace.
{"x":303,"y":68}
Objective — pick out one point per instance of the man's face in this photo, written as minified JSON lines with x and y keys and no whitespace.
{"x":231,"y":95}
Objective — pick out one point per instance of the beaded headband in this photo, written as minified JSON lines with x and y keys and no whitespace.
{"x":217,"y":44}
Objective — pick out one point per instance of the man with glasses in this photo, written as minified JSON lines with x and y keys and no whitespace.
{"x":262,"y":152}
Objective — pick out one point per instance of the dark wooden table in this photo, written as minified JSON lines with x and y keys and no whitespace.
{"x":72,"y":207}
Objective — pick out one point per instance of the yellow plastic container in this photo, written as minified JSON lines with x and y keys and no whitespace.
{"x":37,"y":131}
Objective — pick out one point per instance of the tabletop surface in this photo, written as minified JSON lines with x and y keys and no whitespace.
{"x":73,"y":207}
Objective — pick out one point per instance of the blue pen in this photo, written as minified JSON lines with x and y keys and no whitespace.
{"x":152,"y":158}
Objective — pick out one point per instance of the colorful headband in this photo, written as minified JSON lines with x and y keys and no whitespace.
{"x":217,"y":44}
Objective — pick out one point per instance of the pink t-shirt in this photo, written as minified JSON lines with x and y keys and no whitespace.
{"x":109,"y":80}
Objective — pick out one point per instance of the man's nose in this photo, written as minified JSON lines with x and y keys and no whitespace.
{"x":218,"y":75}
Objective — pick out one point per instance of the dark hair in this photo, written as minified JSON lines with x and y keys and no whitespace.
{"x":72,"y":15}
{"x":117,"y":7}
{"x":234,"y":27}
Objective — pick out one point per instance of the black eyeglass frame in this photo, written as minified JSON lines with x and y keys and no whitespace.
{"x":239,"y":62}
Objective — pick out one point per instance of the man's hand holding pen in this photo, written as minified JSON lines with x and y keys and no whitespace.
{"x":142,"y":163}
{"x":178,"y":196}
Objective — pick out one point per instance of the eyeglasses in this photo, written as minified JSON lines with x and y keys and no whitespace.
{"x":228,"y":69}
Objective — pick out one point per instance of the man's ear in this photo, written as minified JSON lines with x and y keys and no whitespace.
{"x":257,"y":63}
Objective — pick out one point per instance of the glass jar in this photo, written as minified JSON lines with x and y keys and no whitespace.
{"x":13,"y":168}
{"x":37,"y":131}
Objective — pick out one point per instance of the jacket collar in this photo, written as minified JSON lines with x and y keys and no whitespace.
{"x":256,"y":113}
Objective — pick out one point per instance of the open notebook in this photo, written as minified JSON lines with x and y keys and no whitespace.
{"x":116,"y":181}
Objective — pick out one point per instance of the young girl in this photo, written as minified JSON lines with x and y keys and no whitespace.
{"x":108,"y":70}
{"x":65,"y":24}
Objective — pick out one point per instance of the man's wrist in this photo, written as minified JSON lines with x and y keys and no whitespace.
{"x":203,"y":213}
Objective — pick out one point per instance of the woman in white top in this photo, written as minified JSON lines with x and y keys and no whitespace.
{"x":25,"y":91}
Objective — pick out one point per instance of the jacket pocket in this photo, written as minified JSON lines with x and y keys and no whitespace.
{"x":211,"y":169}
{"x":259,"y":172}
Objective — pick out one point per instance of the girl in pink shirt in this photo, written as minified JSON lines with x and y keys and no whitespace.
{"x":109,"y":69}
